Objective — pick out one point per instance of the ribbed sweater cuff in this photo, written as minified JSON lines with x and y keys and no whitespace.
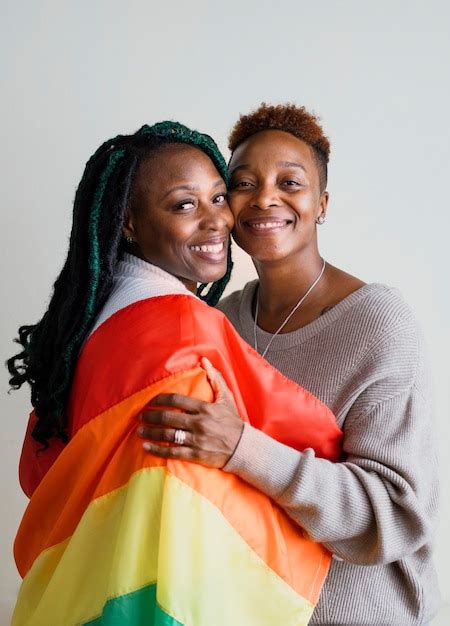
{"x":263,"y":462}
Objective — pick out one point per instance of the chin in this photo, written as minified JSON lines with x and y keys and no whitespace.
{"x":201,"y":275}
{"x":259,"y":252}
{"x":211,"y":278}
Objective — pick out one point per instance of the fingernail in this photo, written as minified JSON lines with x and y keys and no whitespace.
{"x":147,"y":446}
{"x":141,"y":430}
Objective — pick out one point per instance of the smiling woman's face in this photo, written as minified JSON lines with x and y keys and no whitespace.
{"x":275,"y":196}
{"x":179,"y":216}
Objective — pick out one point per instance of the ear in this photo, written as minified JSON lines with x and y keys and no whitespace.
{"x":323,"y":203}
{"x":128,"y":228}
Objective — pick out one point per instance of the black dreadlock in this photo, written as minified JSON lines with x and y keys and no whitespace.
{"x":50,"y":347}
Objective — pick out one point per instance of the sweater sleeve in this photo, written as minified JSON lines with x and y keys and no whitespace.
{"x":375,"y":506}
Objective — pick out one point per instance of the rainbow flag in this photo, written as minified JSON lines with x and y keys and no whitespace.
{"x":115,"y":536}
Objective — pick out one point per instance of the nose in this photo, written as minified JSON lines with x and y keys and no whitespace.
{"x":264,"y":197}
{"x":217,"y":218}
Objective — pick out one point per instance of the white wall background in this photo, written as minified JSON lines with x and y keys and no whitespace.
{"x":75,"y":73}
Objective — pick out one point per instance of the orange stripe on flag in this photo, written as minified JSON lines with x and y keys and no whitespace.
{"x":106,"y":452}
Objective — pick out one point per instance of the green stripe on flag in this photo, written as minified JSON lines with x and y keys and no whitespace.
{"x":138,"y":608}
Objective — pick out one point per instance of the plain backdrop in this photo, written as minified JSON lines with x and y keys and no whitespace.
{"x":77,"y":72}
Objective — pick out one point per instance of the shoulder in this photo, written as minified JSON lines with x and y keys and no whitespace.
{"x":372,"y":334}
{"x":380,"y":311}
{"x":233,"y":300}
{"x":392,"y":338}
{"x":232,"y":304}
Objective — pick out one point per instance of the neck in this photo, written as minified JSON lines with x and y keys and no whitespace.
{"x":281,"y":284}
{"x":189,"y":284}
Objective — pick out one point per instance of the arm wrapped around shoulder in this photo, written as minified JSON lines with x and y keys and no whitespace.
{"x":380,"y":503}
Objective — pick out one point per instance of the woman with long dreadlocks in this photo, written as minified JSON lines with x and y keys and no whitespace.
{"x":112,"y":534}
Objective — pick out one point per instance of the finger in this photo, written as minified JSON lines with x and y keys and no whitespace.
{"x":216,"y":380}
{"x":170,"y":419}
{"x":163,"y":434}
{"x":168,"y":452}
{"x":211,"y":373}
{"x":175,"y":400}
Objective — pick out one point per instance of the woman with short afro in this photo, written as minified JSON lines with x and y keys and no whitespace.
{"x":358,"y":348}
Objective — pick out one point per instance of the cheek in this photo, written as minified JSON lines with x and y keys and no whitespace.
{"x":236,"y":203}
{"x":229,"y":217}
{"x":155,"y":236}
{"x":307,"y":207}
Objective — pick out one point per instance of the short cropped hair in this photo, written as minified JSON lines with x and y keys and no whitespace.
{"x":291,"y":119}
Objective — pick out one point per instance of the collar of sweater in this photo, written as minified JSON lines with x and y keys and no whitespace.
{"x":158,"y":282}
{"x":135,"y":280}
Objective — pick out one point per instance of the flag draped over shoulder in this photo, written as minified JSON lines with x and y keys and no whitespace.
{"x":115,"y":536}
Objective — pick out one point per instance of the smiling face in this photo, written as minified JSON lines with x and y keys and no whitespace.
{"x":275,"y":197}
{"x":179,"y":217}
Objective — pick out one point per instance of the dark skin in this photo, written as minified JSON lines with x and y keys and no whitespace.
{"x":276,"y":199}
{"x":275,"y":176}
{"x":207,"y":441}
{"x":178,"y":206}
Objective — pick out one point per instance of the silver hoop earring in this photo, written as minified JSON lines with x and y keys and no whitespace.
{"x":320,"y":220}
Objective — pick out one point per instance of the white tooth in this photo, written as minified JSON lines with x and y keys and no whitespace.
{"x":262,"y":225}
{"x":214,"y":249}
{"x":218,"y":247}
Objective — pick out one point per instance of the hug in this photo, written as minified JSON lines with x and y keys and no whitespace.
{"x":258,"y":459}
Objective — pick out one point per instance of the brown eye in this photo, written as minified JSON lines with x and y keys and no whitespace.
{"x":242,"y":184}
{"x":220,"y":198}
{"x":186,"y":205}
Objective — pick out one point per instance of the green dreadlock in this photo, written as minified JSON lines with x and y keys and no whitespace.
{"x":50,"y":347}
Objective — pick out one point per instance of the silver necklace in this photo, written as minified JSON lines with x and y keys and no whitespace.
{"x":299,"y":303}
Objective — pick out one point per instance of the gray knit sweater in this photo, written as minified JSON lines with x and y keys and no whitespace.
{"x":376,"y":510}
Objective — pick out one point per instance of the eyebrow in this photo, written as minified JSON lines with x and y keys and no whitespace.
{"x":290,"y":164}
{"x":239,"y":167}
{"x":245,"y":166}
{"x":218,"y":183}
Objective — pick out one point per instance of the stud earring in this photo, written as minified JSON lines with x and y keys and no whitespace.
{"x":320,"y":220}
{"x":129,"y":239}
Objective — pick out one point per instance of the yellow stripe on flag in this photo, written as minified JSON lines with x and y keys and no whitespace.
{"x":157,"y":528}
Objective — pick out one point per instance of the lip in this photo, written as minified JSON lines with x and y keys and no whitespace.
{"x":219,"y":252}
{"x":267,"y":225}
